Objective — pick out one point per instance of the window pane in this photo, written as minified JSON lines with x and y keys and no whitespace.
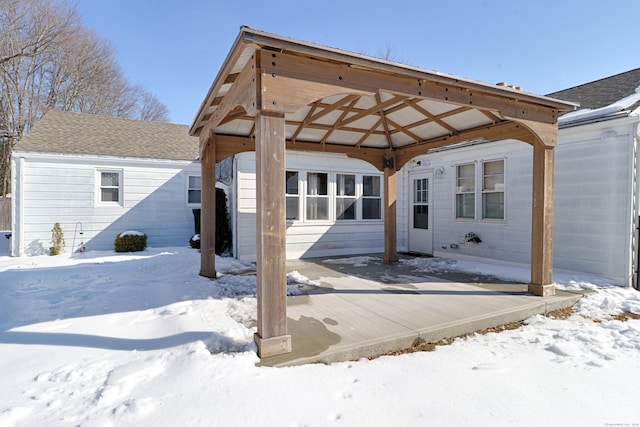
{"x":109,"y":179}
{"x":317,"y":208}
{"x":194,"y":196}
{"x":421,"y":190}
{"x":292,"y":208}
{"x":345,"y":208}
{"x":371,"y":208}
{"x":195,"y":182}
{"x":466,"y":178}
{"x":345,"y":185}
{"x":317,"y":184}
{"x":371,"y":186}
{"x":493,"y":175}
{"x":493,"y":205}
{"x":465,"y":204}
{"x":421,"y":216}
{"x":109,"y":195}
{"x":292,"y":182}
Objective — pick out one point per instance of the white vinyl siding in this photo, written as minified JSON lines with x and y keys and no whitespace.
{"x":67,"y":189}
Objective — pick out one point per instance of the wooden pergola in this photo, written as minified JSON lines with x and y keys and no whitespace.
{"x":274,"y":94}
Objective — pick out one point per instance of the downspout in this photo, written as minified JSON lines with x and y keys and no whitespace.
{"x":635,"y":280}
{"x":233,"y":206}
{"x":17,"y":208}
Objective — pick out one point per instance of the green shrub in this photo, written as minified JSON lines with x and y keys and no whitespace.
{"x":131,"y":241}
{"x":57,"y":240}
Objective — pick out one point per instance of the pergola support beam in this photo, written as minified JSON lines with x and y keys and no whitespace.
{"x":390,"y":232}
{"x":542,"y":222}
{"x":208,"y":209}
{"x":272,"y":337}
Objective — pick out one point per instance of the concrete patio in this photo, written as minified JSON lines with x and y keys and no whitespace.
{"x":356,"y":310}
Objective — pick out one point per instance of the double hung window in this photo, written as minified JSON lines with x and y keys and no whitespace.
{"x":109,"y":187}
{"x":345,"y":197}
{"x":194,"y":191}
{"x":480,"y":196}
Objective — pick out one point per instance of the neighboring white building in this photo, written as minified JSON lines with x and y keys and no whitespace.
{"x":99,"y":176}
{"x":474,"y":201}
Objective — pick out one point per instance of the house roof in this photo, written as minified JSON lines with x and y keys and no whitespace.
{"x":334,"y":100}
{"x":602,"y":92}
{"x":79,"y":133}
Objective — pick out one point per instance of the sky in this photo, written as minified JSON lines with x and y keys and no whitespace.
{"x":175,"y":48}
{"x":93,"y":340}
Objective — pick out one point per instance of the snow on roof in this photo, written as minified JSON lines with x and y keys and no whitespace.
{"x":615,"y":108}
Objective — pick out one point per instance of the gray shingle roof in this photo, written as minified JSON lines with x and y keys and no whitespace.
{"x":78,"y":133}
{"x":601,"y":92}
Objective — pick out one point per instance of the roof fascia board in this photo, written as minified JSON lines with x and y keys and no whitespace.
{"x":263,"y":39}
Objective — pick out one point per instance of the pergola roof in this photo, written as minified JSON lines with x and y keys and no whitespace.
{"x":359,"y":105}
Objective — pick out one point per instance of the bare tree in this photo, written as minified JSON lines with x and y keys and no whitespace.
{"x":48,"y":60}
{"x":148,"y":106}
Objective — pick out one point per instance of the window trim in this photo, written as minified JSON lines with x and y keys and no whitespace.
{"x":99,"y":186}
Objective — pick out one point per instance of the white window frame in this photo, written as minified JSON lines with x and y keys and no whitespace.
{"x":328,"y":197}
{"x":332,"y":190}
{"x":497,"y":190}
{"x":459,"y":192}
{"x":297,"y":195}
{"x":346,"y":197}
{"x":99,"y":187}
{"x":190,"y":189}
{"x":370,"y":197}
{"x":479,"y":191}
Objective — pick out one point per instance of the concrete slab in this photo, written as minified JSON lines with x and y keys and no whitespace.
{"x":371,"y":308}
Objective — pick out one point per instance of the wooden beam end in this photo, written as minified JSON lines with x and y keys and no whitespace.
{"x":542,"y":290}
{"x":273,"y":346}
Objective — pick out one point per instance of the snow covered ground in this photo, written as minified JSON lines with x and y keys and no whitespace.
{"x":106,"y":339}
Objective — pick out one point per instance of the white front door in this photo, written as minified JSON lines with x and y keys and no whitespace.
{"x":420,"y":213}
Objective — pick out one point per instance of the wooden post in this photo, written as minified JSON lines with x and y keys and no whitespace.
{"x":272,"y":338}
{"x":542,"y":221}
{"x":390,"y":233}
{"x":208,"y":210}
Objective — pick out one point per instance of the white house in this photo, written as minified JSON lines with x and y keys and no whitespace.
{"x":473,"y":200}
{"x":99,"y":176}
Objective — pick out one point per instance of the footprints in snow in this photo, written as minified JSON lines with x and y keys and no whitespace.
{"x":105,"y":391}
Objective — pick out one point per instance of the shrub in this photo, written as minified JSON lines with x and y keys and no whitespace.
{"x":194,"y":242}
{"x":223,"y":225}
{"x":131,"y":241}
{"x":57,"y":240}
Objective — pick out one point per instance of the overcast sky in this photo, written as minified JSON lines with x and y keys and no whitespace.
{"x":175,"y":48}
